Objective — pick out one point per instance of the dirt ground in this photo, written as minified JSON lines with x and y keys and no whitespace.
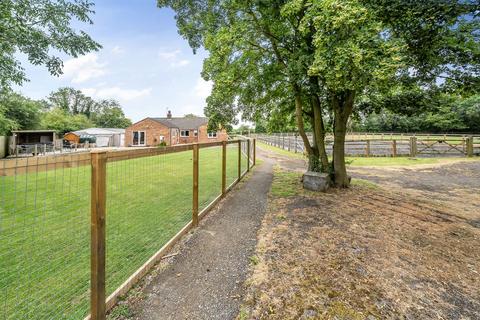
{"x":402,"y":244}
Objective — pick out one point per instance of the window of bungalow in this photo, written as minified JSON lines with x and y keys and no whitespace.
{"x":138,"y":138}
{"x":184,"y":133}
{"x":212,"y":135}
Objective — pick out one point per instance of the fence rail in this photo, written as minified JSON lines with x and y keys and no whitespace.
{"x":77,"y":231}
{"x":426,"y":146}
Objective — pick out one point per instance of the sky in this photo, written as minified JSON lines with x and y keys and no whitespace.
{"x":144,"y":63}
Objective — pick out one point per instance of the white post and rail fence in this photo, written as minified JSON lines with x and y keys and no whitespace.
{"x":386,"y":145}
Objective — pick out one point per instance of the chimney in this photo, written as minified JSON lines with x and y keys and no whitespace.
{"x":169,"y":114}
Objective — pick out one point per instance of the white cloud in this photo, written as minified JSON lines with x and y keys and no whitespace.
{"x":172,"y":57}
{"x":203,"y":88}
{"x":117,"y":93}
{"x":168,"y":55}
{"x":117,"y":50}
{"x":181,"y":63}
{"x":84,"y":68}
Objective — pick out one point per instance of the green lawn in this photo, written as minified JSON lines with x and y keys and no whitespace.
{"x":45,"y":227}
{"x":373,"y":161}
{"x":281,"y":151}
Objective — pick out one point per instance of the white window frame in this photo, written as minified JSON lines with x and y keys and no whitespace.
{"x":212,"y":134}
{"x":183,"y":133}
{"x":144,"y":138}
{"x":195,"y":133}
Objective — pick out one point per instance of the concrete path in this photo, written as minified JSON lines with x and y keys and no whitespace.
{"x":205,"y":281}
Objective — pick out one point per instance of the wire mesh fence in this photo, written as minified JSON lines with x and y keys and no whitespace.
{"x":146,"y":207}
{"x":46,"y":249}
{"x":210,"y":175}
{"x":44,"y":237}
{"x":244,"y":156}
{"x":232,"y":163}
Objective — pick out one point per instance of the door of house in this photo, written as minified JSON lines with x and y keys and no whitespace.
{"x":138,"y":138}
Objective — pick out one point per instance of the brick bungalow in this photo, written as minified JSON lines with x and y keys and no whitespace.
{"x":171,"y":130}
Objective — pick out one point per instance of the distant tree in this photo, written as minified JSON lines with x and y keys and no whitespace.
{"x":469,"y":111}
{"x":72,"y":101}
{"x":21,"y":112}
{"x":38,"y":29}
{"x":260,"y":126}
{"x":109,"y":114}
{"x":6,"y":124}
{"x":61,"y":121}
{"x":190,"y":115}
{"x":243,"y":129}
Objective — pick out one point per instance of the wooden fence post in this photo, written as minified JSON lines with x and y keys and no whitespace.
{"x":469,"y":146}
{"x":248,"y":155}
{"x":97,"y":225}
{"x":239,"y":159}
{"x":254,"y":152}
{"x":413,"y":147}
{"x":367,"y":149}
{"x":394,"y":148}
{"x":224,"y":167}
{"x":195,"y":185}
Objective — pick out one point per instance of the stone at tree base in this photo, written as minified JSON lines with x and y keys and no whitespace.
{"x":316,"y":181}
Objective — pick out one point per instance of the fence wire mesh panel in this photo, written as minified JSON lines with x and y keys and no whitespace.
{"x":148,"y":202}
{"x":45,"y":237}
{"x":232,"y":163}
{"x":47,"y":216}
{"x":251,"y":153}
{"x":244,"y":159}
{"x":210,"y":175}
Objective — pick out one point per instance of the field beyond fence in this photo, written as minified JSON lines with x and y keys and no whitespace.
{"x":386,"y":144}
{"x":78,"y":230}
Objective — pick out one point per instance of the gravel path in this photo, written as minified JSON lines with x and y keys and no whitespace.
{"x":205,"y":280}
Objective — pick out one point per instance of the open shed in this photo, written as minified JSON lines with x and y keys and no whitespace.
{"x":25,"y":141}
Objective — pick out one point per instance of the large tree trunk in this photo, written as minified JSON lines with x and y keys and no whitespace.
{"x":317,"y":156}
{"x":342,"y":107}
{"x":299,"y":118}
{"x":319,"y":130}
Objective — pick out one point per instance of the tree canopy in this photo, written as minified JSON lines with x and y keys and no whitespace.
{"x":64,"y":110}
{"x":318,"y":60}
{"x":39,"y":29}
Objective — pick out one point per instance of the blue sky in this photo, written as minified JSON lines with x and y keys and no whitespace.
{"x":144,"y":64}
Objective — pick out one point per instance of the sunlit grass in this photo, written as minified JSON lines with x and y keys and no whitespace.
{"x":45,"y":227}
